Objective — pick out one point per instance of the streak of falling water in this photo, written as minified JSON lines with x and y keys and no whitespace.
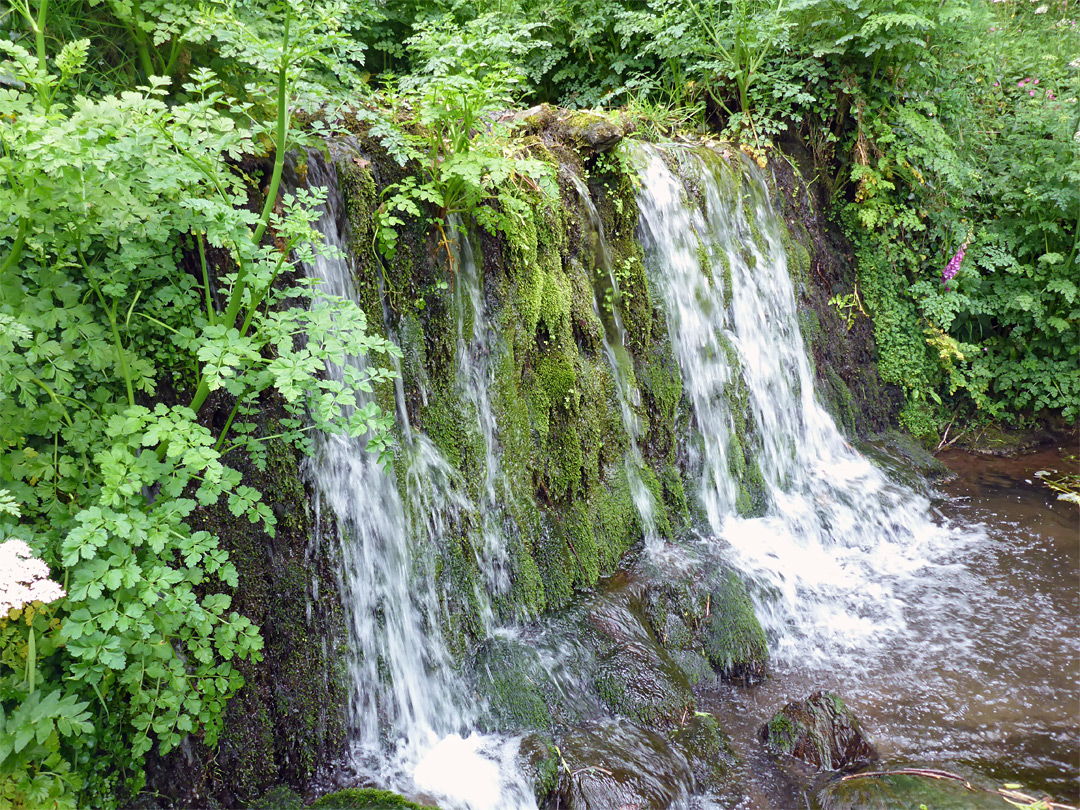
{"x":406,"y":711}
{"x":622,"y":364}
{"x":475,"y":379}
{"x":839,"y":541}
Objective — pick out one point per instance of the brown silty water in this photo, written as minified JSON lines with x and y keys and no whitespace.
{"x":986,"y":681}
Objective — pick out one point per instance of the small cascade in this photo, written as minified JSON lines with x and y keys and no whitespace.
{"x":408,"y":710}
{"x":838,"y":540}
{"x":474,"y":378}
{"x":606,"y":306}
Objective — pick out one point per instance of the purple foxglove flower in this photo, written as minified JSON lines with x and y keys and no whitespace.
{"x":953,"y":267}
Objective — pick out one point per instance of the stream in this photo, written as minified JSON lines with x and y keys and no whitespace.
{"x":985,"y":680}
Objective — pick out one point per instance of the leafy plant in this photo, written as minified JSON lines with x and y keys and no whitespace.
{"x":98,"y":317}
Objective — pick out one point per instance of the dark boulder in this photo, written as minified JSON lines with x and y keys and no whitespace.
{"x":820,"y":731}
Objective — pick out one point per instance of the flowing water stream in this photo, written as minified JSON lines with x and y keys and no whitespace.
{"x":410,"y":716}
{"x":907,"y":605}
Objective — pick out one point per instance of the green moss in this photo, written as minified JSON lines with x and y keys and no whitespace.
{"x":506,"y":675}
{"x":841,"y":400}
{"x":614,"y":519}
{"x":364,"y":799}
{"x":640,"y":683}
{"x":361,"y":198}
{"x":734,"y":640}
{"x":540,"y":762}
{"x":782,"y":734}
{"x":709,"y":752}
{"x":674,"y":495}
{"x":281,"y":797}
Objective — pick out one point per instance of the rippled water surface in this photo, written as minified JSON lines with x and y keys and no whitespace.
{"x":985,"y":675}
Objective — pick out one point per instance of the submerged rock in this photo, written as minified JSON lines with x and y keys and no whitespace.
{"x":734,"y":639}
{"x":907,"y":789}
{"x":820,"y":731}
{"x":643,"y":684}
{"x":711,"y":619}
{"x":617,"y":766}
{"x":709,"y":751}
{"x":506,"y":673}
{"x":539,"y":761}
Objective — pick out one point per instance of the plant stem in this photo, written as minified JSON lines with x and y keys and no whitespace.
{"x":140,"y":40}
{"x":282,"y":134}
{"x":16,"y":248}
{"x":211,"y":315}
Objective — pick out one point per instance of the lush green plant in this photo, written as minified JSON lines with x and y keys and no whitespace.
{"x":463,"y":80}
{"x":108,"y":203}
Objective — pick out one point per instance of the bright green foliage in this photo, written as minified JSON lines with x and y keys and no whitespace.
{"x":463,"y":77}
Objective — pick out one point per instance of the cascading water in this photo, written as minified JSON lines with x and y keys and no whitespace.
{"x":407,"y":709}
{"x":838,"y":538}
{"x":835,"y":551}
{"x":474,"y":380}
{"x":606,"y":307}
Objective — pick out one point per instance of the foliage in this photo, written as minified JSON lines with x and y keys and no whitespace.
{"x":138,"y":281}
{"x":109,"y":302}
{"x":463,"y":79}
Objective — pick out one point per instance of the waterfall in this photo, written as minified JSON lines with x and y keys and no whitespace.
{"x":606,"y":306}
{"x":474,"y":381}
{"x":838,"y":539}
{"x":828,"y":547}
{"x":408,"y":708}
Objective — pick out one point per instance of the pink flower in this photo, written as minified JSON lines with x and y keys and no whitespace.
{"x":1031,"y":92}
{"x":953,"y":267}
{"x":1021,"y":83}
{"x":24,"y":578}
{"x":1035,"y":81}
{"x":997,"y":84}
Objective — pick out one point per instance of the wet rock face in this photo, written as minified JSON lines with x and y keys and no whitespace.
{"x":709,"y":627}
{"x":819,"y":731}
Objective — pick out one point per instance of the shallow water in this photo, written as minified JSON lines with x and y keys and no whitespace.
{"x":985,"y":676}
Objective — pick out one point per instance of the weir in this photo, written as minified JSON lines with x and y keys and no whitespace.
{"x":824,"y":541}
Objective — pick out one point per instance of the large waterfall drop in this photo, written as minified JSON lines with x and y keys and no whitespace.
{"x":837,"y":538}
{"x":835,"y":553}
{"x":409,"y":710}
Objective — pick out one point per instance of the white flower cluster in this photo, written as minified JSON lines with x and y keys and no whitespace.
{"x":24,"y":578}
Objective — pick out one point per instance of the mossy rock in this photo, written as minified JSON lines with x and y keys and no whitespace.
{"x":820,"y":731}
{"x":708,"y":627}
{"x":365,"y":799}
{"x":907,"y":791}
{"x":735,"y":642}
{"x":906,"y":459}
{"x":617,"y":765}
{"x":709,"y":751}
{"x":281,"y":797}
{"x":643,"y":684}
{"x":506,"y":674}
{"x":539,"y":761}
{"x":589,"y":131}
